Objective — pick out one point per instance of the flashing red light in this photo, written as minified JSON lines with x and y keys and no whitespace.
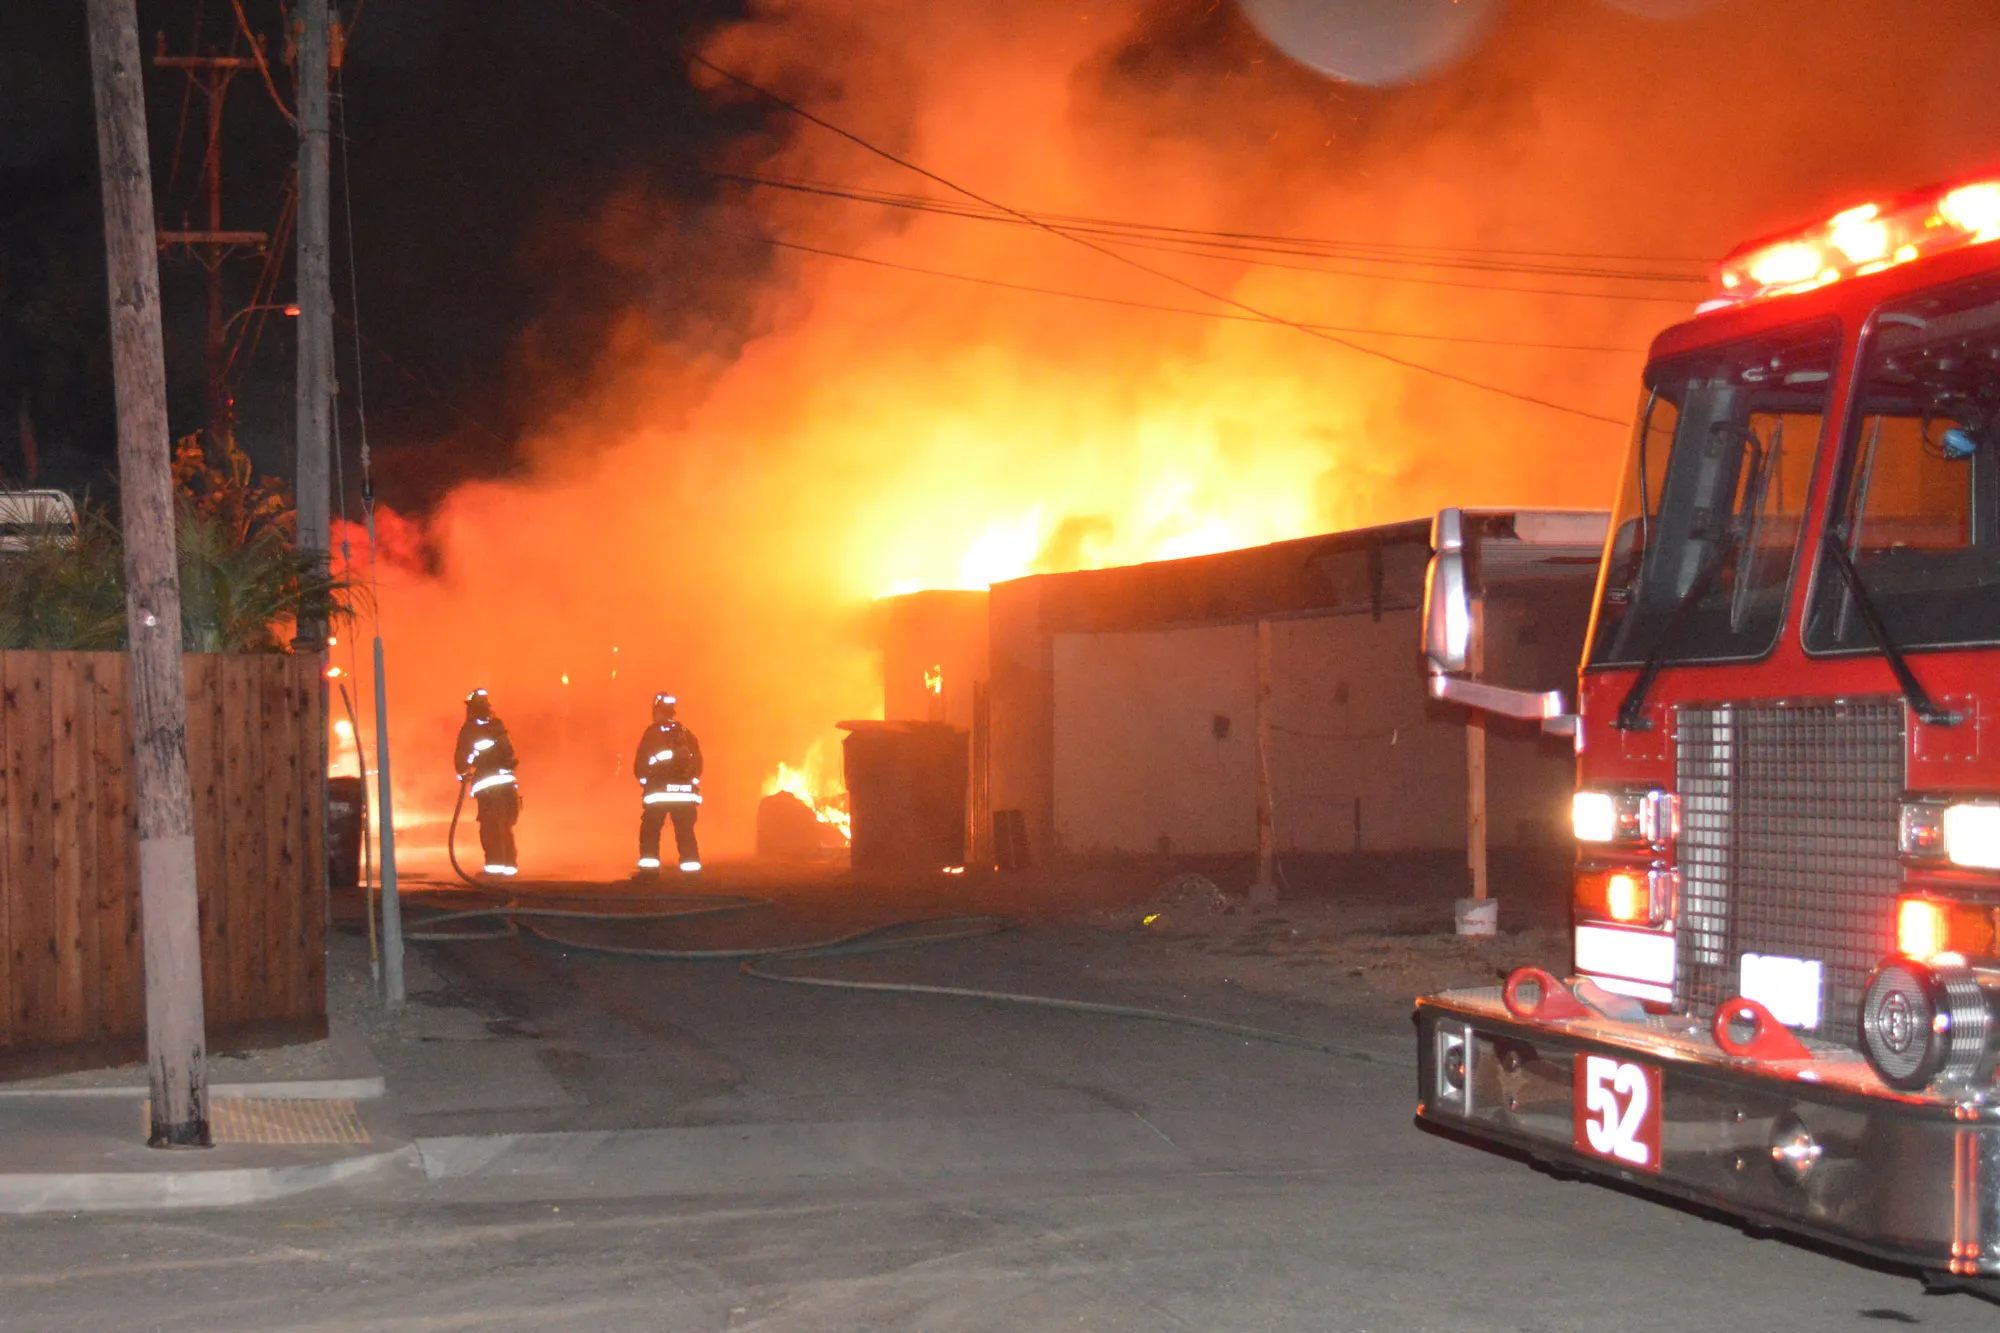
{"x":1858,"y":241}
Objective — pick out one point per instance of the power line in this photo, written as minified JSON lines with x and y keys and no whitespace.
{"x":1191,"y":246}
{"x":1252,"y":243}
{"x":1682,"y":300}
{"x":187,"y":96}
{"x":1116,"y":257}
{"x":263,"y":66}
{"x":1180,"y":310}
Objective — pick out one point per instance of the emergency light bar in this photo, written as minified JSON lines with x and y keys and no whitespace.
{"x":1859,"y":241}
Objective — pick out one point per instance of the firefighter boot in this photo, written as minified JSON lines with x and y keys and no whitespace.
{"x":650,"y":821}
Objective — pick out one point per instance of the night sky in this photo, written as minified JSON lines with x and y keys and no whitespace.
{"x":482,"y":133}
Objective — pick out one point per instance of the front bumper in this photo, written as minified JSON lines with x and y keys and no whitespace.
{"x":1913,"y":1178}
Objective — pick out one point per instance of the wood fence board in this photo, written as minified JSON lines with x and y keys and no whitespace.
{"x":117,"y":784}
{"x":204,"y":764}
{"x":69,"y":733}
{"x":18,"y":879}
{"x":7,"y":875}
{"x":280,"y":851}
{"x":120,"y":961}
{"x":314,"y":904}
{"x":244,"y":847}
{"x":30,"y":773}
{"x":88,"y":848}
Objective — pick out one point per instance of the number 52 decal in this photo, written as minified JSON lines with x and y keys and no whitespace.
{"x":1617,"y":1111}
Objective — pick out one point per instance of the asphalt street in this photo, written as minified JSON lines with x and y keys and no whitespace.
{"x":615,"y":1144}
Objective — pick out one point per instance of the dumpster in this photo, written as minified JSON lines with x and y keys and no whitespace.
{"x":906,"y":793}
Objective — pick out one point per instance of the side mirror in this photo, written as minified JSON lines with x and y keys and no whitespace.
{"x":1447,"y":599}
{"x":1448,"y":637}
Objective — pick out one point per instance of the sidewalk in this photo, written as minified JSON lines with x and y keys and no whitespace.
{"x":284,"y":1121}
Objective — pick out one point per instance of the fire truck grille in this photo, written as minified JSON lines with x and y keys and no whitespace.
{"x":1788,"y":846}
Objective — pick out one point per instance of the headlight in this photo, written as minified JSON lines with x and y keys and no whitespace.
{"x":1972,"y":835}
{"x":1632,"y":818}
{"x":1965,"y":833}
{"x":1594,"y":816}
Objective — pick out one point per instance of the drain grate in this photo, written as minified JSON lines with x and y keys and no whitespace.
{"x":280,"y":1120}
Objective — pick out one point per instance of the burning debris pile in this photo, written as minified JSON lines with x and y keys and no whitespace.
{"x":803,"y":815}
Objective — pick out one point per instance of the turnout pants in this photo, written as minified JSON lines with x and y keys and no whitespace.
{"x":499,"y":807}
{"x":650,"y":820}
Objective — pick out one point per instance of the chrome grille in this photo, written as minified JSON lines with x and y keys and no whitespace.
{"x":1788,"y":845}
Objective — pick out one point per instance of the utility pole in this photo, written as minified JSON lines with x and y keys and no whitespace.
{"x":315,"y":296}
{"x":1475,"y":763}
{"x":213,"y":74}
{"x":176,"y":1044}
{"x":1265,"y":890}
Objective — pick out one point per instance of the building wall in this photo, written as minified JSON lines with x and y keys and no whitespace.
{"x":1021,"y":681}
{"x":1361,"y":760}
{"x":1105,"y":686}
{"x":1156,"y":741}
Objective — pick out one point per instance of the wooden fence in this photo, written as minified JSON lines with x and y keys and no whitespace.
{"x":71,"y":974}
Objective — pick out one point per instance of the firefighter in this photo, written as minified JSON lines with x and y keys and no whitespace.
{"x":486,"y":759}
{"x":668,"y":766}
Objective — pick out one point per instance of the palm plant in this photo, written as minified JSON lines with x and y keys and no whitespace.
{"x":244,"y":583}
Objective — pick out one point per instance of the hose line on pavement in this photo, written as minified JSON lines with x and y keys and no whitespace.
{"x":514,"y":917}
{"x":1267,"y":1035}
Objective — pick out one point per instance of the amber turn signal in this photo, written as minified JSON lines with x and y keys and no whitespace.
{"x":1633,"y":896}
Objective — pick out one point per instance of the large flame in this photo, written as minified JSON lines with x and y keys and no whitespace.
{"x":793,"y":412}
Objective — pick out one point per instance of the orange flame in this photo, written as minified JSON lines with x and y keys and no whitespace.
{"x":817,"y":786}
{"x":886,"y":399}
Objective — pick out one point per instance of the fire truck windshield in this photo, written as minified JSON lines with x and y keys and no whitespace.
{"x":1708,"y":521}
{"x":1917,"y":504}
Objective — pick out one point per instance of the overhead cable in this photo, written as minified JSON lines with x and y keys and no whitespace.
{"x":696,"y":57}
{"x":1248,"y":245}
{"x":1188,"y":310}
{"x":263,"y":66}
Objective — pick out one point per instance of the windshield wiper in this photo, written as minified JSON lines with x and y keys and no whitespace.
{"x":1913,"y":689}
{"x":1631,"y":710}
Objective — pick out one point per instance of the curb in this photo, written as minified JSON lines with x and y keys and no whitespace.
{"x":132,"y":1191}
{"x":312,"y":1090}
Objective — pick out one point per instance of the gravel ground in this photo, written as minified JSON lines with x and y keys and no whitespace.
{"x":1318,"y":949}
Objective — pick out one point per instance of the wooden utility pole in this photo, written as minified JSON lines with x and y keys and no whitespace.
{"x":315,"y":275}
{"x":1475,"y":763}
{"x":176,"y":1045}
{"x":1265,"y":890}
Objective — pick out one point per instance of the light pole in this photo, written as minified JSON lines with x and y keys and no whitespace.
{"x":291,"y":309}
{"x":223,"y":408}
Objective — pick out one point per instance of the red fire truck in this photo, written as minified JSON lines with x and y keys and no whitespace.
{"x":1785,"y":1000}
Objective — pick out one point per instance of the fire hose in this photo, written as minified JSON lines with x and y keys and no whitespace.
{"x":451,"y":838}
{"x":517,"y":916}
